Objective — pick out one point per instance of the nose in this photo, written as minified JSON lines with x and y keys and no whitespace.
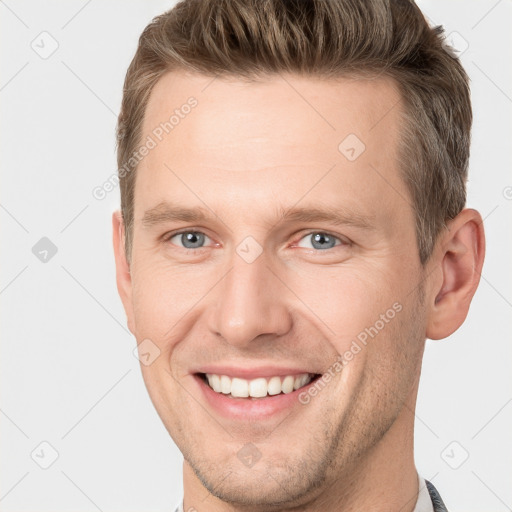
{"x":250,"y":302}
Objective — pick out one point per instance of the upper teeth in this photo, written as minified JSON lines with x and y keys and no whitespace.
{"x":257,"y":387}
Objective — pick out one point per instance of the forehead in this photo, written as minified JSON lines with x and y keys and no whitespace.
{"x":311,"y":111}
{"x":279,"y":135}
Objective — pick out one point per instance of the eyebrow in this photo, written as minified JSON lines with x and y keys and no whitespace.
{"x":341,"y":216}
{"x":165,"y":212}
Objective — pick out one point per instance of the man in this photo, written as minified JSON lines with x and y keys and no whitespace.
{"x":292,"y":229}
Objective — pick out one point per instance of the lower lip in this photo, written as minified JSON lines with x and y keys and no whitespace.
{"x":247,"y":408}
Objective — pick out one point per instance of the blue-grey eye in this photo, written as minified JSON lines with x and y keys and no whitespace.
{"x":190,"y":239}
{"x":320,"y":240}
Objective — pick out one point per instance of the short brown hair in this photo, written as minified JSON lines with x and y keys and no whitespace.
{"x":250,"y":39}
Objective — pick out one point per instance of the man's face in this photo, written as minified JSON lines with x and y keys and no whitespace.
{"x":254,"y":291}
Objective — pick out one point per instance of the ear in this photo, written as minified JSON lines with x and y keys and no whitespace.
{"x":460,"y":256}
{"x":123,"y":276}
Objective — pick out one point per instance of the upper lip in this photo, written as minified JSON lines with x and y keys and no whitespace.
{"x":251,"y":373}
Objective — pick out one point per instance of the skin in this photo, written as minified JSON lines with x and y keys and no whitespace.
{"x":244,"y":153}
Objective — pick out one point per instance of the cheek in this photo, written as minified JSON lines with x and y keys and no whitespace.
{"x":347,"y":300}
{"x":164,"y":298}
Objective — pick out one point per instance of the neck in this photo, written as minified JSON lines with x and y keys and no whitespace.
{"x":383,"y":480}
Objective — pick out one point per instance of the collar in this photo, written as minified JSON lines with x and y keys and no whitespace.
{"x":424,"y":503}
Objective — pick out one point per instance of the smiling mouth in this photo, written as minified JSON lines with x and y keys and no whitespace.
{"x":261,"y":387}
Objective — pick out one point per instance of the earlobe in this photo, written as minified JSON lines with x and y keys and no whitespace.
{"x":123,"y":276}
{"x":461,"y":257}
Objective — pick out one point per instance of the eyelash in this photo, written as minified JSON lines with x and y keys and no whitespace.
{"x":168,"y":237}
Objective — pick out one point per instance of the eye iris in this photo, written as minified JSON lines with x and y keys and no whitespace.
{"x":321,"y":238}
{"x":193,"y":237}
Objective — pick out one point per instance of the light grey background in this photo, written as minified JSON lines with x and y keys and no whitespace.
{"x":68,"y":375}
